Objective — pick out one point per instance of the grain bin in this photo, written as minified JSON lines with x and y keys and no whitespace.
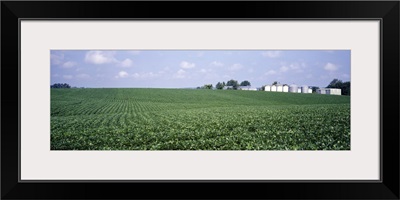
{"x":279,"y":88}
{"x":285,"y":88}
{"x":273,"y":88}
{"x":293,"y":88}
{"x":304,"y":89}
{"x":267,"y":88}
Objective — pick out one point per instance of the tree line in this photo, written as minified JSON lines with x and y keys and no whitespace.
{"x":60,"y":85}
{"x":234,"y":85}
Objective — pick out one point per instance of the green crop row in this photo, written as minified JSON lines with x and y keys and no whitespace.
{"x":173,"y":119}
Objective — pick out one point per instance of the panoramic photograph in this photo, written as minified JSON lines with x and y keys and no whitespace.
{"x":285,"y":100}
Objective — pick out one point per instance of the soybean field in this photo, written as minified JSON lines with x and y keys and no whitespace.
{"x":197,"y":119}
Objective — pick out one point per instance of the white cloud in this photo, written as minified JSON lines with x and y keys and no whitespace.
{"x":203,"y":70}
{"x":187,"y":65}
{"x":83,"y":76}
{"x":272,"y":54}
{"x":126,"y":63}
{"x":330,"y":67}
{"x":67,"y":76}
{"x":236,"y":66}
{"x":294,"y":66}
{"x":271,"y":72}
{"x":180,"y":74}
{"x":217,"y":64}
{"x":69,"y":64}
{"x":122,"y":74}
{"x":284,"y":69}
{"x":100,"y":57}
{"x":145,"y":75}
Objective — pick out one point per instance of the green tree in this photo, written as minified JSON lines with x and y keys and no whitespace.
{"x":245,"y":83}
{"x":219,"y":86}
{"x":233,"y":83}
{"x":60,"y":85}
{"x":208,"y":86}
{"x":314,"y":89}
{"x":346,"y":88}
{"x":274,"y":83}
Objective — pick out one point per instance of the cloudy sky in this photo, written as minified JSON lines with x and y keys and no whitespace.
{"x":190,"y":68}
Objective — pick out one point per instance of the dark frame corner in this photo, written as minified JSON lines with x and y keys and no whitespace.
{"x":386,"y":11}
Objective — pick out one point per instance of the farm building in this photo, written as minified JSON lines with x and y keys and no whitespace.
{"x":304,"y":89}
{"x":331,"y":91}
{"x":285,"y":88}
{"x":267,"y":88}
{"x":273,"y":88}
{"x":293,"y":88}
{"x":227,"y":88}
{"x":299,"y":90}
{"x":309,"y":90}
{"x":247,"y":88}
{"x":279,"y":88}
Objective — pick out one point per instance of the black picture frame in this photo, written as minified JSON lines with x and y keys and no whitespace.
{"x":386,"y":11}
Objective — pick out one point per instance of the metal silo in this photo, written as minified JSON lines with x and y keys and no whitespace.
{"x":273,"y":88}
{"x":267,"y":88}
{"x":279,"y":88}
{"x":304,"y":89}
{"x":293,"y":88}
{"x":285,"y":88}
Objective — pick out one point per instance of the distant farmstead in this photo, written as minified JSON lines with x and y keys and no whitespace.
{"x":305,"y":89}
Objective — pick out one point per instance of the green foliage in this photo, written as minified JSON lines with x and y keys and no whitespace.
{"x":60,"y":85}
{"x":184,"y":119}
{"x":233,"y":83}
{"x":220,"y":86}
{"x":208,"y":86}
{"x":275,"y":83}
{"x":245,"y":83}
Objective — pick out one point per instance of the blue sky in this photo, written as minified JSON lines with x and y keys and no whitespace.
{"x":192,"y":68}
